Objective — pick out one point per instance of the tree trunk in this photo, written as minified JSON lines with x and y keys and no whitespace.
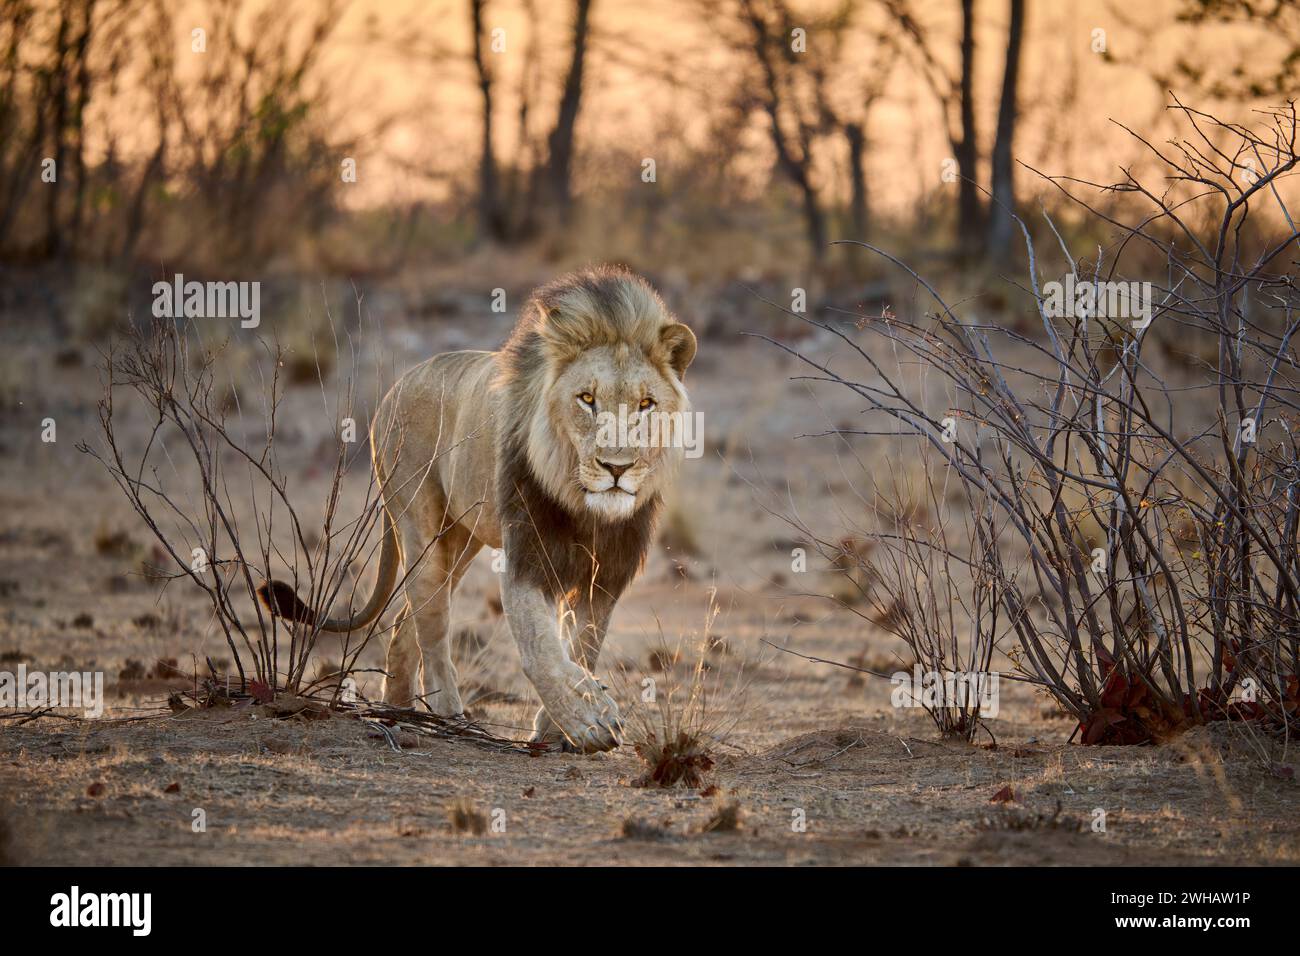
{"x":81,"y":57}
{"x":857,"y":137}
{"x":968,"y":201}
{"x":520,"y":195}
{"x":559,"y":162}
{"x":1003,"y":182}
{"x":489,"y":203}
{"x":14,"y":158}
{"x":56,"y":88}
{"x":797,"y":166}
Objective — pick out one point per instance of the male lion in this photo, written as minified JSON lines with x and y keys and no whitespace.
{"x":503,"y":449}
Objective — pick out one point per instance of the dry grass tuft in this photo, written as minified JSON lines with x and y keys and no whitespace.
{"x":726,"y":818}
{"x":679,"y":715}
{"x":7,"y":855}
{"x":636,"y":828}
{"x":1021,"y":820}
{"x":465,"y":818}
{"x":679,"y":761}
{"x":115,"y":543}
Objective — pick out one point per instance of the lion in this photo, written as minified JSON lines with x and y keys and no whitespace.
{"x":505,"y":450}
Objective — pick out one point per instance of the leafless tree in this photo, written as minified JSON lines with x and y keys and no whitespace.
{"x":538,"y":179}
{"x":956,"y":96}
{"x":238,"y":146}
{"x":491,"y":219}
{"x":793,"y":122}
{"x":559,"y":144}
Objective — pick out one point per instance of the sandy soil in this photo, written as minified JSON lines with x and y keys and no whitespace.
{"x":811,"y":743}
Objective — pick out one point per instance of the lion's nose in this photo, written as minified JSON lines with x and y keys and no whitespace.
{"x":615,"y":470}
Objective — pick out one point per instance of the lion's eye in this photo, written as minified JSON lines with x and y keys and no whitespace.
{"x":587,"y":398}
{"x":646,"y":403}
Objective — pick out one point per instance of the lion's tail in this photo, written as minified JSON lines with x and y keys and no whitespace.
{"x":281,"y":599}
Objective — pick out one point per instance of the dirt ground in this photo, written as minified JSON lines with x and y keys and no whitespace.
{"x":818,"y":768}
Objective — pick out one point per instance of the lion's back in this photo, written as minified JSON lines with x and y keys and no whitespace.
{"x":441,"y":411}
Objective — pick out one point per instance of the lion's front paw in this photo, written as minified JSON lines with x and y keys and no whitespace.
{"x":584,"y":715}
{"x":546,"y":732}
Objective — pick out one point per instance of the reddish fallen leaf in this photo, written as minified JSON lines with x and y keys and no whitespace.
{"x":1005,"y":795}
{"x":709,"y":791}
{"x":1284,"y":771}
{"x":530,"y":791}
{"x":95,"y":789}
{"x":261,"y":692}
{"x":172,"y":788}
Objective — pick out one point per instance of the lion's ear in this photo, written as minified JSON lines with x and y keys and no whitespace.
{"x":678,"y":343}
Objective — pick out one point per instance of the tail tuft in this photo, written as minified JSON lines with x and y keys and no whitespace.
{"x":281,"y":600}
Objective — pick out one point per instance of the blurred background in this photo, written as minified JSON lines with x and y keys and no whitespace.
{"x":700,"y":142}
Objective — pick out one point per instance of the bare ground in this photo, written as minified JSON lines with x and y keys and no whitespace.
{"x":812,"y":744}
{"x":277,"y":792}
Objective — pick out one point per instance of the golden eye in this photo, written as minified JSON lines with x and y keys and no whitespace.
{"x":587,"y":398}
{"x":646,"y":403}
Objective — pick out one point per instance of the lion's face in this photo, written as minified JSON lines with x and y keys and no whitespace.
{"x":614,"y":408}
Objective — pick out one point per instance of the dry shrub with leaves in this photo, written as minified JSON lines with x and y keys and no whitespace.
{"x":677,"y":719}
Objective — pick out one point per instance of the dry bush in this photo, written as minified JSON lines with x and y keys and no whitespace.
{"x":672,"y":760}
{"x":1138,"y":539}
{"x":211,"y":487}
{"x":926,"y":582}
{"x":942,"y":603}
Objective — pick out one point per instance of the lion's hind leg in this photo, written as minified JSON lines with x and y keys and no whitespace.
{"x":404,"y":664}
{"x":420,"y":661}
